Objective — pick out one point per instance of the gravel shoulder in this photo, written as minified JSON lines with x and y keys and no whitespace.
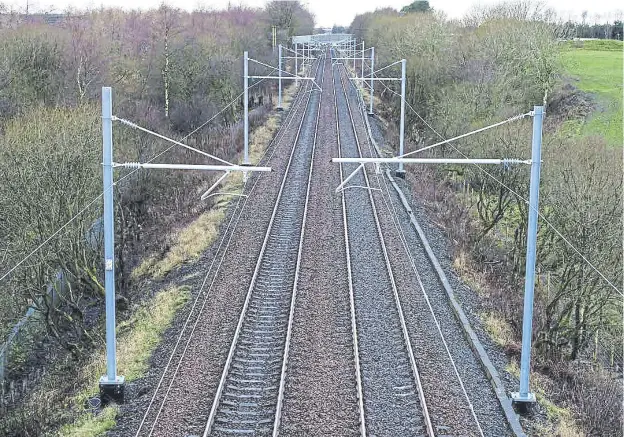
{"x":320,"y":393}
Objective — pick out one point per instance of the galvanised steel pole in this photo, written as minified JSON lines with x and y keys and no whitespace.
{"x":372,"y":87}
{"x":529,"y":284}
{"x":279,"y":81}
{"x":246,"y":106}
{"x":353,"y":54}
{"x":401,"y":172}
{"x":109,"y":229}
{"x":111,"y":384}
{"x":362,"y":63}
{"x":296,"y":65}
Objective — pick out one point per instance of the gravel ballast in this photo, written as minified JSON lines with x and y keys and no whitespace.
{"x":320,"y":396}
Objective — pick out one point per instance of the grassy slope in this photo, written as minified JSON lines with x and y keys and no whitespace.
{"x":138,"y":338}
{"x":596,"y":68}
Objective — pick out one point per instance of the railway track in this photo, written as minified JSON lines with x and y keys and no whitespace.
{"x":358,"y":373}
{"x":459,"y":396}
{"x":250,"y":391}
{"x":181,"y":385}
{"x":393,"y":401}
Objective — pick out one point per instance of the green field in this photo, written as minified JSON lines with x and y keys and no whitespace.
{"x":596,"y":68}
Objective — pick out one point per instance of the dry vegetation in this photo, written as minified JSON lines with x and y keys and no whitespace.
{"x":170,"y":71}
{"x":495,"y":63}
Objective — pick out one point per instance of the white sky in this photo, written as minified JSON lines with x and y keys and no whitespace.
{"x":341,"y":12}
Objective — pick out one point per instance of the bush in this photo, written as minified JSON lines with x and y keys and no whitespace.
{"x":497,"y":63}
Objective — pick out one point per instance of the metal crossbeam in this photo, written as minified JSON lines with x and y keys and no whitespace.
{"x":368,"y":79}
{"x":282,"y":78}
{"x":347,"y":58}
{"x":299,"y":57}
{"x":401,"y":161}
{"x":241,"y":168}
{"x":388,"y":66}
{"x":397,"y":160}
{"x":163,"y":137}
{"x":294,"y":76}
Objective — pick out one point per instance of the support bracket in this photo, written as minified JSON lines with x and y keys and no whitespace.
{"x":523,"y":404}
{"x":112,"y":391}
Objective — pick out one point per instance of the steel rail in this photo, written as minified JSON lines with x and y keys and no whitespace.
{"x":356,"y":350}
{"x":396,"y":221}
{"x":294,"y":110}
{"x":280,"y":395}
{"x":408,"y":345}
{"x":228,"y":363}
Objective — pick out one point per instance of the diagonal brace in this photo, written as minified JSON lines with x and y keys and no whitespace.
{"x":342,"y":184}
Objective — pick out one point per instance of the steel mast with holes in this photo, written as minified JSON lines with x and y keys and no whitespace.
{"x":112,"y":384}
{"x":523,"y":398}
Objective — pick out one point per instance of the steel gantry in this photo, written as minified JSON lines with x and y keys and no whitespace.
{"x":297,"y":56}
{"x":524,"y":396}
{"x":112,"y":384}
{"x":349,"y":50}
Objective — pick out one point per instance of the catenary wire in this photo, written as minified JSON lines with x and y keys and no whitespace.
{"x":541,"y":216}
{"x":95,"y":199}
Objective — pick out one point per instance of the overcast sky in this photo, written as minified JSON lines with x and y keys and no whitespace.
{"x":341,"y":12}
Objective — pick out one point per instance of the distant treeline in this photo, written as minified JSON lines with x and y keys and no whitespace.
{"x":601,"y":31}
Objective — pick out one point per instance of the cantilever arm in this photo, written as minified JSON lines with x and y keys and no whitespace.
{"x":342,"y":184}
{"x":207,"y":193}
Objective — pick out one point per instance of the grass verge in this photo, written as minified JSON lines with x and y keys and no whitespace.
{"x":498,"y":329}
{"x":91,"y":425}
{"x":57,"y":405}
{"x":189,"y":243}
{"x":469,"y":275}
{"x":138,"y":338}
